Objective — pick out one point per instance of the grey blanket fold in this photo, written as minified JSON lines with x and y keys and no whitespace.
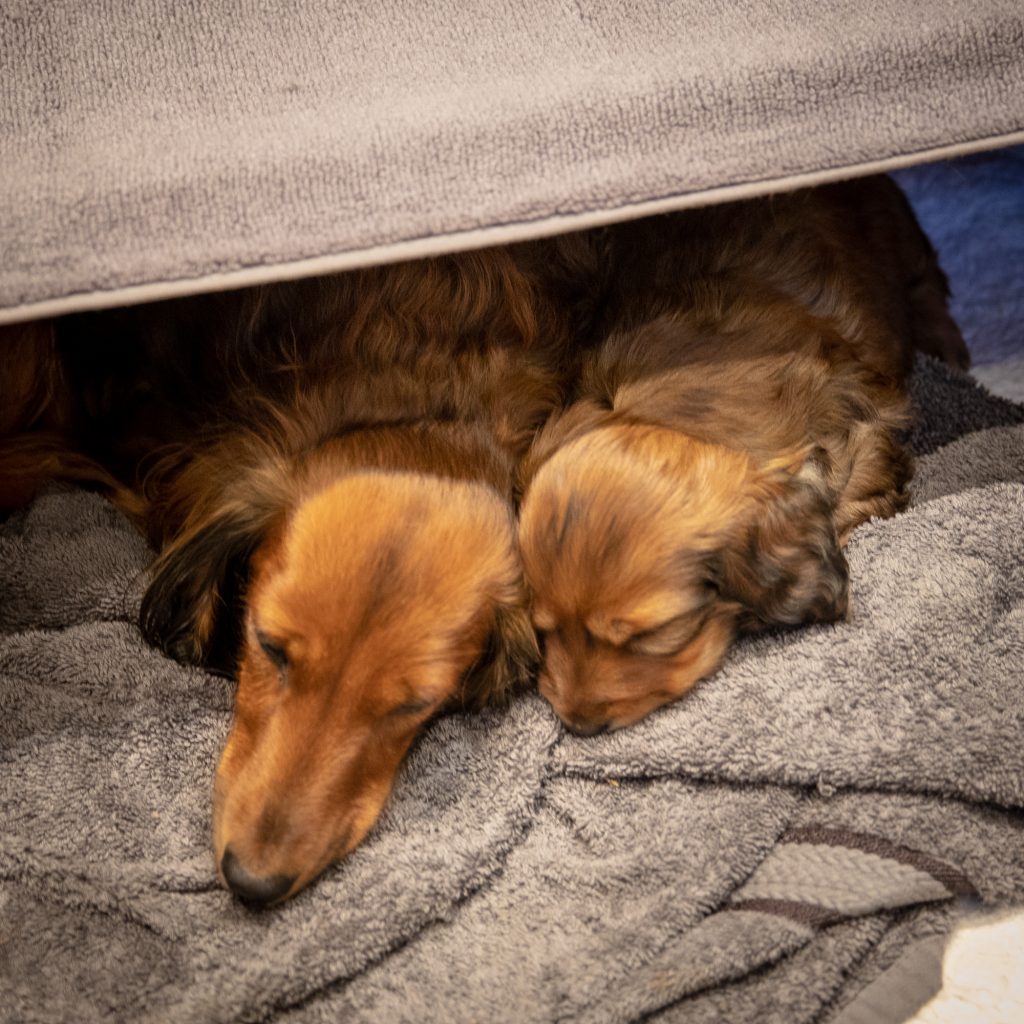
{"x":759,"y":851}
{"x":146,"y":145}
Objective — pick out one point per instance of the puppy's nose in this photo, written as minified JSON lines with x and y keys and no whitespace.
{"x":257,"y":891}
{"x":584,"y":727}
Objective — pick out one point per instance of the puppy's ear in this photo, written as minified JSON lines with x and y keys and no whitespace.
{"x":786,"y":567}
{"x":508,"y":661}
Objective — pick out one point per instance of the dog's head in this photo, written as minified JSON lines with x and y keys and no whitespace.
{"x":645,"y":550}
{"x":373,"y":602}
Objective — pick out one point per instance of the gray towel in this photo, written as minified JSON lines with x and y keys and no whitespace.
{"x":147,"y":146}
{"x":760,"y":851}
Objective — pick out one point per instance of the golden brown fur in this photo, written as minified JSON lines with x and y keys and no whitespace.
{"x":359,"y":629}
{"x":326,"y":469}
{"x":739,"y":419}
{"x":370,"y":506}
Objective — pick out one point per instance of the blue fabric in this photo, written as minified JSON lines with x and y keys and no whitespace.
{"x":973,"y":210}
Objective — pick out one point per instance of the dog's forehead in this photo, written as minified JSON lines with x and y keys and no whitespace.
{"x":632,"y":495}
{"x":588,"y":514}
{"x":620,"y":526}
{"x":604,"y":478}
{"x":380,"y":549}
{"x":409,"y":514}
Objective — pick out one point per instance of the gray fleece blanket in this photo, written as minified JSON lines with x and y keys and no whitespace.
{"x":150,"y":147}
{"x":761,"y":851}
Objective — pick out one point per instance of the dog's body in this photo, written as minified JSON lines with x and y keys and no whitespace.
{"x":326,"y":469}
{"x":739,"y":418}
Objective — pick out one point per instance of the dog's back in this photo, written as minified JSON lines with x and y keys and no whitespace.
{"x":850,"y":252}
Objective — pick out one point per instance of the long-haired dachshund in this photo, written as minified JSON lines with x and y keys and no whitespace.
{"x":326,"y":470}
{"x":741,"y":416}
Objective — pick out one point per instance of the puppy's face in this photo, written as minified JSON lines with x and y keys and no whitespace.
{"x":367,"y":611}
{"x":645,"y":550}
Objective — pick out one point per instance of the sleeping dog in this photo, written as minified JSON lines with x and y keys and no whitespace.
{"x":326,"y":471}
{"x":740,"y":417}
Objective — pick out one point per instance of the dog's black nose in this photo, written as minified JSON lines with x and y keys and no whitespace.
{"x":257,"y":891}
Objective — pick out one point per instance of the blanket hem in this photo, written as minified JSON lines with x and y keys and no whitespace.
{"x":478,"y":238}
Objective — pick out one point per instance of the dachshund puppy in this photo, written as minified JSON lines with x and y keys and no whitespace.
{"x":740,"y":418}
{"x":332,"y":503}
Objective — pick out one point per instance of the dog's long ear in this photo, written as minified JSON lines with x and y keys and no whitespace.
{"x":786,"y":567}
{"x":191,"y":609}
{"x":509,"y":659}
{"x":214,"y":516}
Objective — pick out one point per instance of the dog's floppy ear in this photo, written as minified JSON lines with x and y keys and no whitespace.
{"x":191,"y":609}
{"x":509,"y":658}
{"x":786,"y":567}
{"x":230,"y":497}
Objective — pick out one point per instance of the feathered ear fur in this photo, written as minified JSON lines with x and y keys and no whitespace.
{"x":787,"y":567}
{"x":191,"y":609}
{"x":508,"y":661}
{"x":233,"y":495}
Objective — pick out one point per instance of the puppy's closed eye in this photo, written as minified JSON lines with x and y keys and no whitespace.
{"x":670,"y":637}
{"x":411,"y":708}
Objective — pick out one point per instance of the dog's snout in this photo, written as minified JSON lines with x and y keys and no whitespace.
{"x":249,"y":888}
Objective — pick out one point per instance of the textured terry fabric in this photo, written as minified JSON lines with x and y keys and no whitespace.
{"x":902,"y":989}
{"x":760,"y":851}
{"x":151,"y":142}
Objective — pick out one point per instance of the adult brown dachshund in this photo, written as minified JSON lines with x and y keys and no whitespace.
{"x":326,"y":470}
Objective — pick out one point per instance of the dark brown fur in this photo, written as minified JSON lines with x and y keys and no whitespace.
{"x":740,"y":416}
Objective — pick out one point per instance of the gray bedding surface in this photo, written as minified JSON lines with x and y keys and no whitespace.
{"x":147,"y":145}
{"x":760,"y":851}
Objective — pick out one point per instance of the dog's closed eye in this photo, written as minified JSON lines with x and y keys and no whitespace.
{"x":274,"y":650}
{"x":412,"y":707}
{"x":670,"y":637}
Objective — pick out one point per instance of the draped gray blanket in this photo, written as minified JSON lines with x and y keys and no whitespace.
{"x":760,"y":851}
{"x":150,"y":147}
